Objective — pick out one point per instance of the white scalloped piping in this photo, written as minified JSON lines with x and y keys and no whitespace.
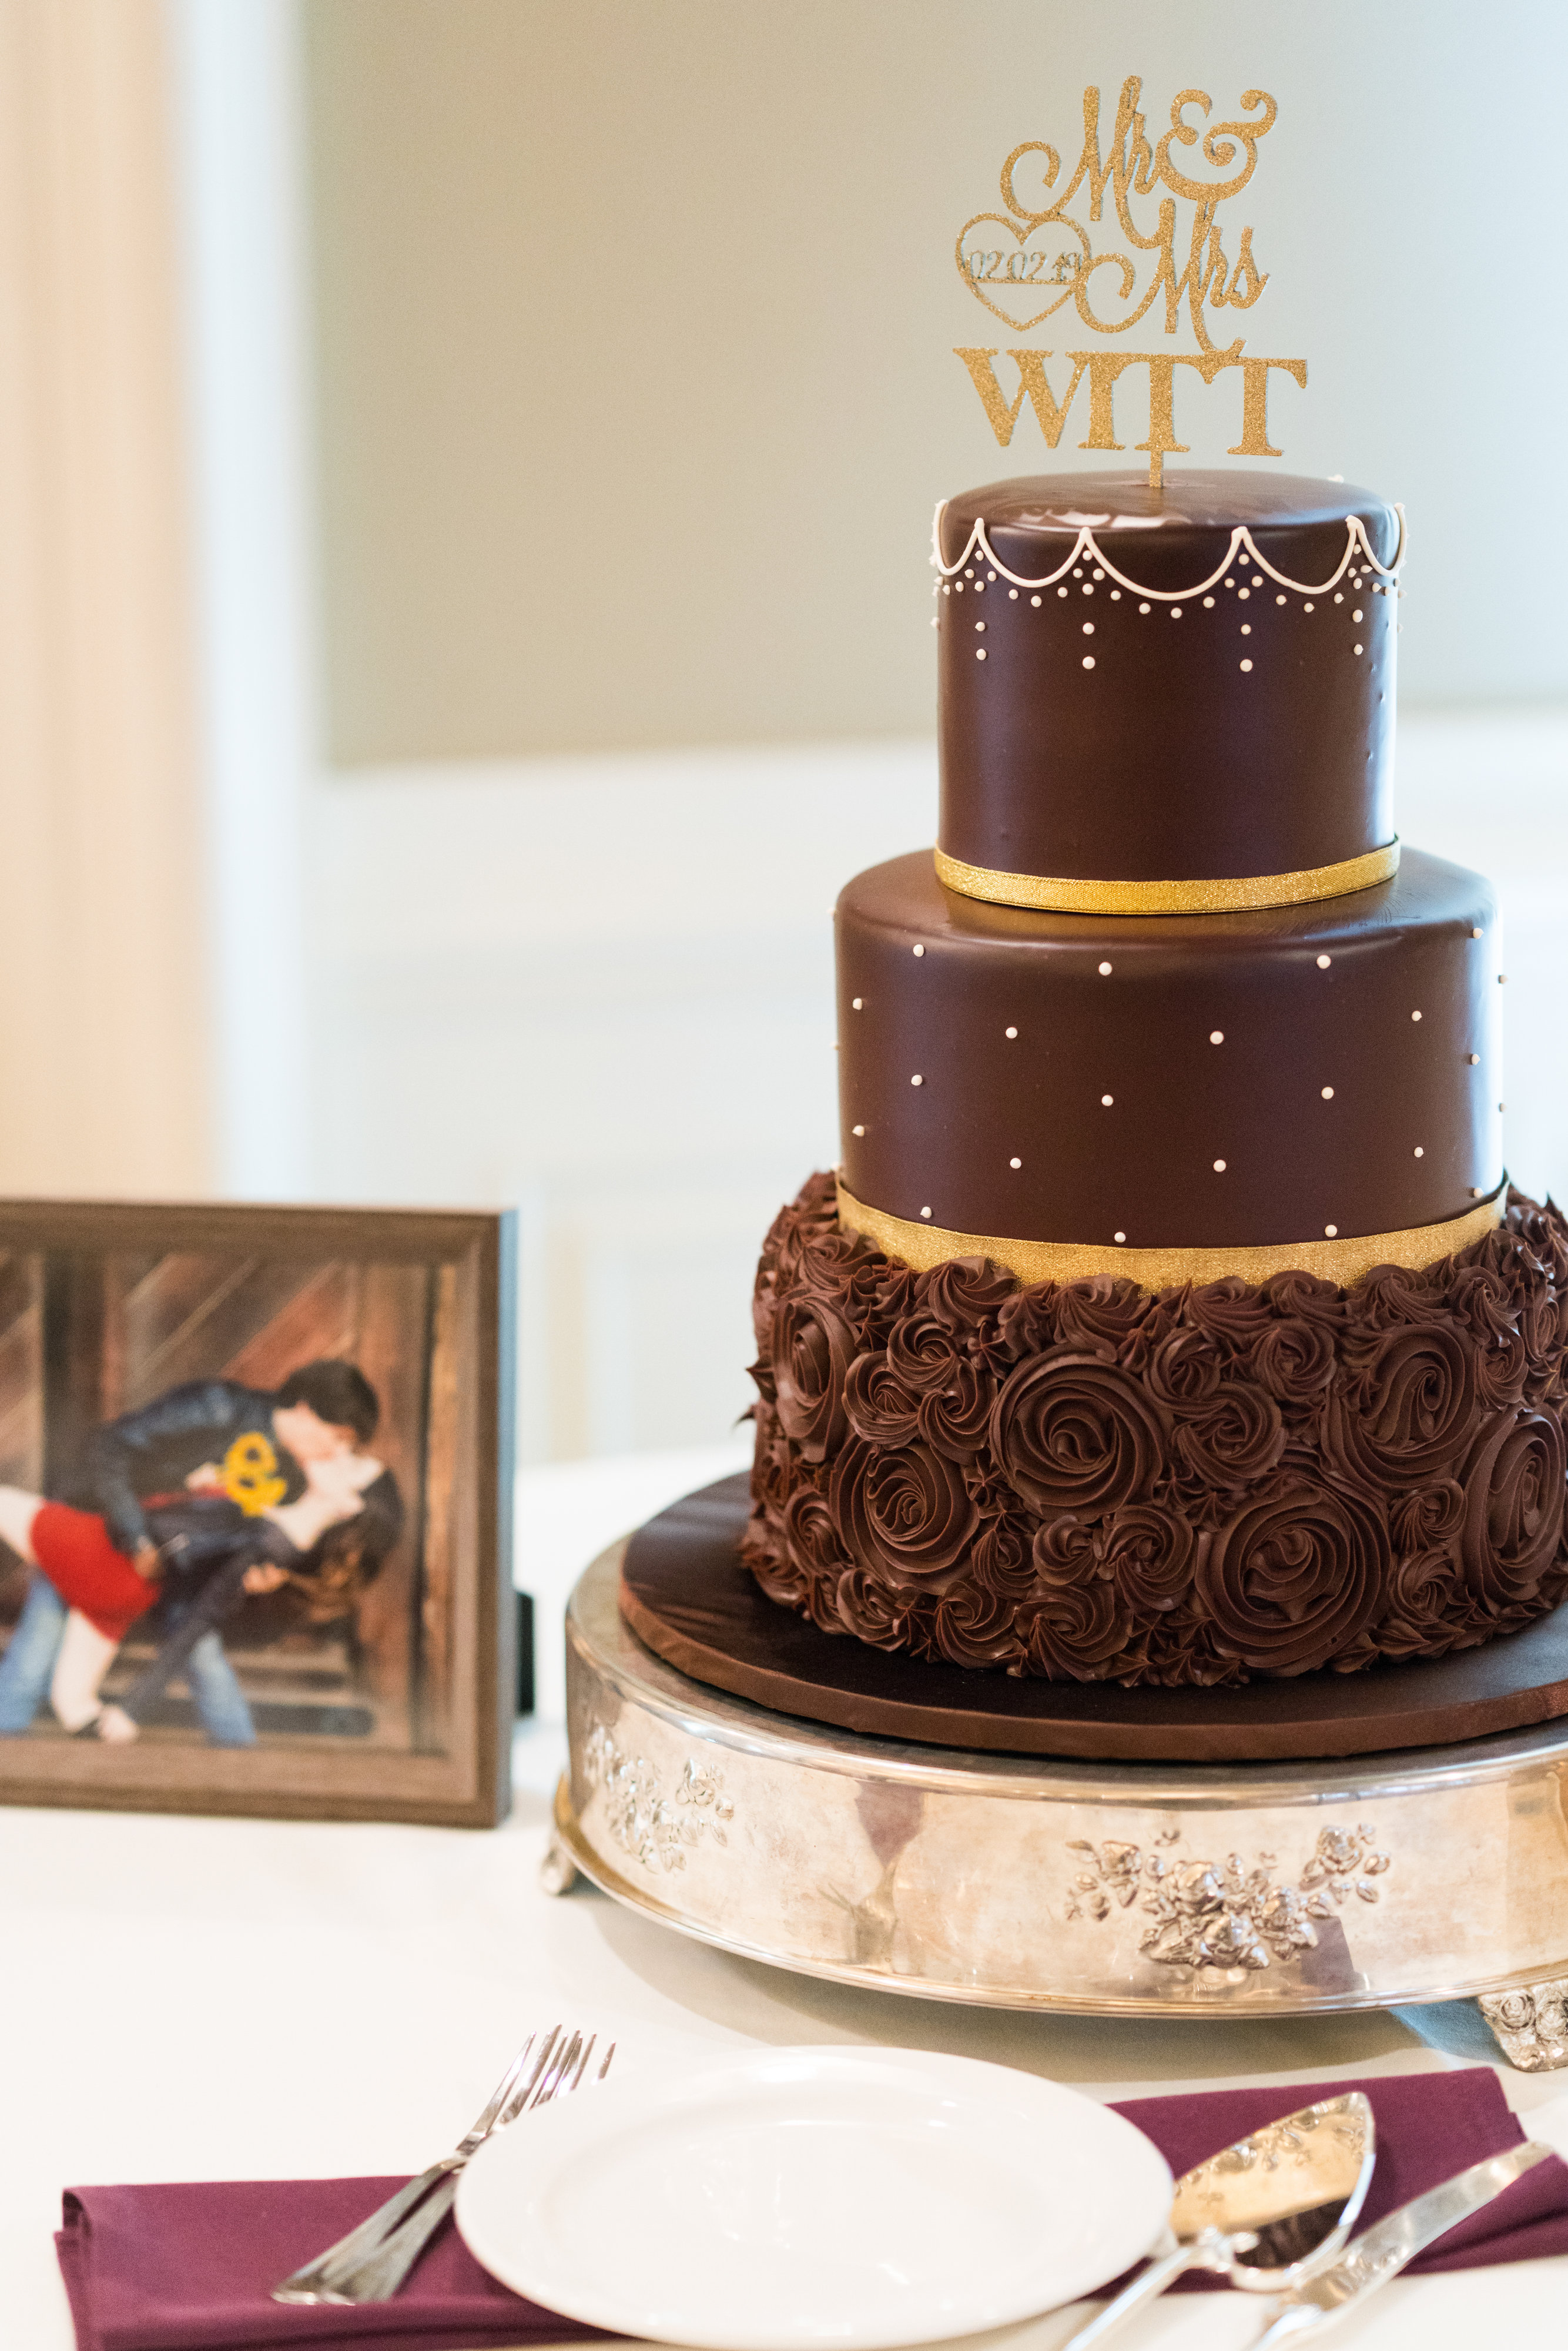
{"x":1240,"y":539}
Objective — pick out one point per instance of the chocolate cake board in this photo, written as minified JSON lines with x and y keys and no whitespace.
{"x":685,"y":1594}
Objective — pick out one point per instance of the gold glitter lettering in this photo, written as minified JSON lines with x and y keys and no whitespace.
{"x":1033,"y":387}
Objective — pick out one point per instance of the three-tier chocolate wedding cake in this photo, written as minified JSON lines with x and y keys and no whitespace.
{"x":1170,"y":1320}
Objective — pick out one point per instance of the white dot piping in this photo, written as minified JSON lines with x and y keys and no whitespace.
{"x":1086,"y":544}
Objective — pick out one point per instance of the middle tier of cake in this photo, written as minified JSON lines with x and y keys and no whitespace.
{"x":1188,"y":1082}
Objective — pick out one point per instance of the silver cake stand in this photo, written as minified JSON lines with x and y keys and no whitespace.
{"x":1112,"y":1889}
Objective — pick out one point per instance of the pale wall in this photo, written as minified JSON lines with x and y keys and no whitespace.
{"x":635,"y":321}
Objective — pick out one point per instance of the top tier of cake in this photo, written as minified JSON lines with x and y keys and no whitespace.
{"x":1181,"y":685}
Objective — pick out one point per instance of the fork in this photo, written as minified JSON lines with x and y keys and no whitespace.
{"x":378,"y":2277}
{"x":371,"y":2262}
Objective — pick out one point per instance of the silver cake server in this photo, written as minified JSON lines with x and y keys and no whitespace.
{"x":1266,"y":2213}
{"x":1382,"y":2251}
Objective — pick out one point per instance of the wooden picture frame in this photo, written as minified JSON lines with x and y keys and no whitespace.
{"x":405,"y":1712}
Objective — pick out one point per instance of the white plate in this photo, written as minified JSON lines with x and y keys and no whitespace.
{"x":857,"y":2199}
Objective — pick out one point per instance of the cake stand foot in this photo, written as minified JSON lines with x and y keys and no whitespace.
{"x":1530,"y":2026}
{"x":558,"y":1871}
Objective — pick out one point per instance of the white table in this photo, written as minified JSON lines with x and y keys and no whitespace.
{"x":187,"y":1999}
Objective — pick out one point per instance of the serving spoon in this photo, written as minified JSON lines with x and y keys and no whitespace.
{"x":1267,"y":2213}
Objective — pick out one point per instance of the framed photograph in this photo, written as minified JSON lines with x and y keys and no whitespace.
{"x":255,"y":1485}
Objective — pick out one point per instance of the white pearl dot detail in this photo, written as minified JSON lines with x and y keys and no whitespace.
{"x":926,"y":1212}
{"x":1035,"y":601}
{"x":1308,"y":608}
{"x":1106,"y":1101}
{"x":980,"y":628}
{"x":1328,"y":1093}
{"x":1061,"y":591}
{"x":1415,"y":1016}
{"x":917,"y":1081}
{"x":857,"y":1003}
{"x":1088,"y":661}
{"x":1089,"y":628}
{"x":1329,"y":1231}
{"x":1323,"y":962}
{"x":1420,"y":1154}
{"x":1474,"y":1060}
{"x":1208,"y":603}
{"x":1104,"y":971}
{"x":1216,"y":1036}
{"x":1012,"y":595}
{"x":1246,"y":664}
{"x":1219,"y":1166}
{"x":1175,"y":611}
{"x":1478,"y":933}
{"x":1009,"y":1032}
{"x":1015,"y":1162}
{"x":1278,"y":599}
{"x":1354,"y":616}
{"x":1143,"y":608}
{"x":1356,"y":649}
{"x":919,"y":951}
{"x":979,"y":652}
{"x":1118,"y":1236}
{"x":857,"y":1130}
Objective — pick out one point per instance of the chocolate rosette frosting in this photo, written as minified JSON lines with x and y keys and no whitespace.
{"x":871,"y":1609}
{"x":1073,"y":1632}
{"x":1514,"y":1489}
{"x":877,"y":1404}
{"x":1233,"y":1439}
{"x":1295,"y":1577}
{"x":1150,"y":1555}
{"x":1002,"y":1560}
{"x":1428,"y":1518}
{"x":811,"y":1534}
{"x":1072,"y":1432}
{"x":1100,"y":1316}
{"x":1185,"y":1369}
{"x":900,"y":1510}
{"x":966,"y":1293}
{"x":1080,"y":1480}
{"x":1233,"y":1310}
{"x":974,"y":1627}
{"x":955,"y":1419}
{"x":813,"y":1349}
{"x":1411,"y":1415}
{"x":1427,"y":1607}
{"x":1294,"y":1360}
{"x":924,"y":1353}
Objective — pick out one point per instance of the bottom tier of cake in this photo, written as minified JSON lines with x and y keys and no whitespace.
{"x":1090,"y":1481}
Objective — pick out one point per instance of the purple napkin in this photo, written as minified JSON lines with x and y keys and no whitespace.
{"x":1429,"y":2126}
{"x":188,"y":2268}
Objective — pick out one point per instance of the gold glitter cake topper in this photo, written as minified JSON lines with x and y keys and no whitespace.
{"x":1029,"y":263}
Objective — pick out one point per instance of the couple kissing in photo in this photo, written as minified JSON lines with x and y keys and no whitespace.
{"x":211,"y":1493}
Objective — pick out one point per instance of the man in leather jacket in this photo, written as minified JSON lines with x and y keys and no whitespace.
{"x":254,"y":1439}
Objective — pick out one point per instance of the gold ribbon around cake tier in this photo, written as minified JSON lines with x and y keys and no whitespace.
{"x":1342,"y":1260}
{"x":1226,"y":894}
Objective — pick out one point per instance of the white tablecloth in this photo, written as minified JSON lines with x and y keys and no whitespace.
{"x":198,"y":1999}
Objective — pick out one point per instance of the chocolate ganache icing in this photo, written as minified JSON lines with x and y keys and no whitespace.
{"x":1184,"y":683}
{"x":1169,"y":1319}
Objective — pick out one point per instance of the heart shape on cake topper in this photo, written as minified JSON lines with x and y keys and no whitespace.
{"x":1044,"y":256}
